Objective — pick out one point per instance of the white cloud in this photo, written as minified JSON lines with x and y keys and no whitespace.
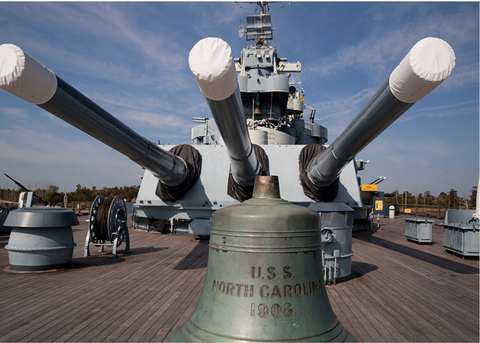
{"x":337,"y":113}
{"x":368,"y":55}
{"x":159,"y":121}
{"x":14,"y":112}
{"x":387,"y":47}
{"x":437,"y":112}
{"x":462,"y":76}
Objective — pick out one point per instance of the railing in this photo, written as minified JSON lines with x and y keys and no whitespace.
{"x":422,"y":210}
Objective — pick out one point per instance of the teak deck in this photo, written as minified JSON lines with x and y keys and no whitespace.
{"x":400,"y":291}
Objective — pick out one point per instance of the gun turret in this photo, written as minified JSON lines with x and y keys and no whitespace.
{"x":211,"y":61}
{"x":426,"y":66}
{"x":28,"y":79}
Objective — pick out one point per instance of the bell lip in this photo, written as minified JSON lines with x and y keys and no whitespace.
{"x":266,"y":187}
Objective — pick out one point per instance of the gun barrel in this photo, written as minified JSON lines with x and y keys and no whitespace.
{"x":375,"y":181}
{"x":426,"y":66}
{"x":28,"y":79}
{"x":211,"y":62}
{"x":26,"y":190}
{"x":18,"y":183}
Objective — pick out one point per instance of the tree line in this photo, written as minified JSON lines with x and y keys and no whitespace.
{"x":445,"y":200}
{"x":51,"y":193}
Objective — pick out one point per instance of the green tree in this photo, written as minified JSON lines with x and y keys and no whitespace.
{"x":420,"y":199}
{"x":54,"y":197}
{"x":429,"y":198}
{"x":452,"y":199}
{"x":392,"y":199}
{"x":442,"y":199}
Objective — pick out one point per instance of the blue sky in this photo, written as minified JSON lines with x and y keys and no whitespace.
{"x":132,"y":60}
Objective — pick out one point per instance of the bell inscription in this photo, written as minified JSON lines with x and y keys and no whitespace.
{"x":264,"y":279}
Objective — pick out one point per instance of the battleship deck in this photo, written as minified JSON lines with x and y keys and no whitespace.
{"x":400,"y":291}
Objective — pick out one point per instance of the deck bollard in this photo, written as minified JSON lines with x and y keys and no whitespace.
{"x":41,"y":238}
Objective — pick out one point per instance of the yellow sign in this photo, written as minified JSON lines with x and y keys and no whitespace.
{"x":378,"y":205}
{"x":408,"y":210}
{"x":369,"y":188}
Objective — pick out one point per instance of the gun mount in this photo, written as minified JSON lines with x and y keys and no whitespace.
{"x":255,"y":109}
{"x":31,"y":197}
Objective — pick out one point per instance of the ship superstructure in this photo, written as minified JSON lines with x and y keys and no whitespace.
{"x":272,"y":103}
{"x":259,"y":127}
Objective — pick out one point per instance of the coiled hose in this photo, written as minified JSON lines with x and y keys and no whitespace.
{"x":100,"y":227}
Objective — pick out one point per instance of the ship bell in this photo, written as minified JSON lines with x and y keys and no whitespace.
{"x":264,"y":279}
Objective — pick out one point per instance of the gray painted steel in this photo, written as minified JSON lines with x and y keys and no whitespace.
{"x":4,"y":211}
{"x":459,"y":216}
{"x":461,"y":233}
{"x":40,"y":216}
{"x":336,"y":223}
{"x":275,"y":82}
{"x":418,"y":230}
{"x":230,"y":120}
{"x":210,"y":192}
{"x":41,"y":238}
{"x":377,"y":115}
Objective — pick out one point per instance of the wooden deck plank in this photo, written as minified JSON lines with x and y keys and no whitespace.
{"x":378,"y":330}
{"x":50,"y":289}
{"x":157,"y":332}
{"x":413,"y":317}
{"x":434,"y":294}
{"x":422,"y":285}
{"x":146,"y":314}
{"x":43,"y":308}
{"x":170,"y":280}
{"x":341,"y":316}
{"x":191,"y":307}
{"x":386,"y":329}
{"x":358,"y":310}
{"x":95,"y":302}
{"x":425,"y":306}
{"x":113,"y":334}
{"x":164,"y":331}
{"x":388,"y":313}
{"x":421,"y":305}
{"x":134,"y":300}
{"x":399,"y":291}
{"x":134,"y":297}
{"x":101,"y":303}
{"x":346,"y":306}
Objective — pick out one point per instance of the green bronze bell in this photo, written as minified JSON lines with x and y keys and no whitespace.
{"x":264,"y":279}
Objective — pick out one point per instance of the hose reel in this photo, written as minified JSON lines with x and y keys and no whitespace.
{"x":107,"y":225}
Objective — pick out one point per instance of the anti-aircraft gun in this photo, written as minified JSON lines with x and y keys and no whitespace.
{"x":27,"y":197}
{"x":257,"y":129}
